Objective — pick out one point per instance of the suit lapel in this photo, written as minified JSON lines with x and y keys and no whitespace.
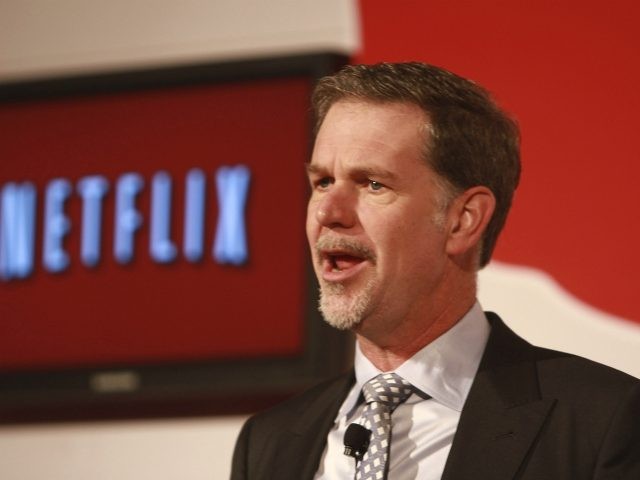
{"x":302,"y":444}
{"x":503,"y":413}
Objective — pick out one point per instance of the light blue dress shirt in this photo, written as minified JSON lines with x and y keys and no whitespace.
{"x":422,"y":429}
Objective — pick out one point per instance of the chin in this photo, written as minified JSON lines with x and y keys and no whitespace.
{"x":340,"y":319}
{"x":342,"y":309}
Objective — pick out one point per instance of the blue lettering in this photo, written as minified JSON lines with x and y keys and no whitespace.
{"x":128,"y":220}
{"x":18,"y":218}
{"x":193,"y":235}
{"x":92,"y":190}
{"x":161,"y":247}
{"x":17,"y":230}
{"x":56,"y":226}
{"x":231,"y":241}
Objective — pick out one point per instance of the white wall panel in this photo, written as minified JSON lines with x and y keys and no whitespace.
{"x":57,"y":37}
{"x":198,"y":449}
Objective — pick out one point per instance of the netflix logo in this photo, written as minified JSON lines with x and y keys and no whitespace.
{"x":18,"y":219}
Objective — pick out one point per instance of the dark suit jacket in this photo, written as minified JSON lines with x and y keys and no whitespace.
{"x":531,"y":414}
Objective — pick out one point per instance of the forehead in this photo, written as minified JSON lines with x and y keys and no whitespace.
{"x":355,"y":131}
{"x":349,"y":117}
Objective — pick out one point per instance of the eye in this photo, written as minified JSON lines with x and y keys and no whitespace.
{"x":323,"y":182}
{"x":375,"y":186}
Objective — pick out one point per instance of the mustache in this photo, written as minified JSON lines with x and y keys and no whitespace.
{"x":346,"y":245}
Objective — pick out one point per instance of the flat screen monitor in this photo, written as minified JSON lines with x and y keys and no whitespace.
{"x":152,"y":247}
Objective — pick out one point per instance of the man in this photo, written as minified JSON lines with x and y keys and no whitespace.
{"x":412,"y":176}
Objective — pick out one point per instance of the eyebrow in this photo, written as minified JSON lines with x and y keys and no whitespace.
{"x":355,"y":172}
{"x":312,"y":169}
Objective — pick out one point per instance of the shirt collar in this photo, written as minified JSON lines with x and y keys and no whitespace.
{"x":444,"y":369}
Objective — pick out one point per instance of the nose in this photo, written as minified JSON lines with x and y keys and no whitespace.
{"x":336,"y":209}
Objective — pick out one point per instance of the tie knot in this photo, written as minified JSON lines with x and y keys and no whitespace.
{"x":387,"y":388}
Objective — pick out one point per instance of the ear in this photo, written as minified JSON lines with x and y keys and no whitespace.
{"x":469,"y":215}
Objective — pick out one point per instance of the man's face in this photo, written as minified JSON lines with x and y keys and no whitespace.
{"x":373,"y":220}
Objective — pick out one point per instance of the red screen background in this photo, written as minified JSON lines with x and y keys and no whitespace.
{"x":144,"y":311}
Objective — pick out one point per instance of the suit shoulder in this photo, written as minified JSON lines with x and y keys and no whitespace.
{"x":565,"y":374}
{"x":559,"y":373}
{"x":323,"y":395}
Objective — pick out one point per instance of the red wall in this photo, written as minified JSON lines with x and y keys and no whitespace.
{"x":569,"y":72}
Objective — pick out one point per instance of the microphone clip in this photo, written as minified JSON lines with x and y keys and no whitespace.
{"x":356,"y":441}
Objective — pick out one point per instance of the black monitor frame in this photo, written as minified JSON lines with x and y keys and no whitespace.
{"x":176,"y":389}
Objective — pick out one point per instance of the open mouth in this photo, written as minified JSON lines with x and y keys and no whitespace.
{"x":342,"y":261}
{"x":342,"y":258}
{"x":340,"y":266}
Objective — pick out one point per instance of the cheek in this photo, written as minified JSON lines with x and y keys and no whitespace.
{"x":312,"y":237}
{"x":311,"y":220}
{"x":412,"y":241}
{"x":389,"y":233}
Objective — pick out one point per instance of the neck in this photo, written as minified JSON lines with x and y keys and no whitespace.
{"x":389,"y":349}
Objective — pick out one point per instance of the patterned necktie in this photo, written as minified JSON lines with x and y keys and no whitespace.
{"x":382,"y":394}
